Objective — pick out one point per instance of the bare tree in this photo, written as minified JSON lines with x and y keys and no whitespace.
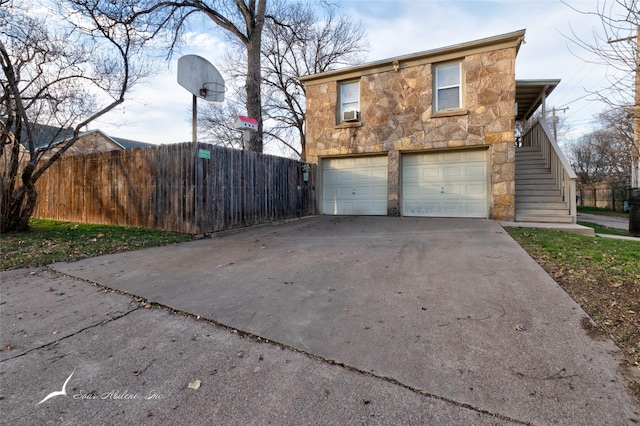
{"x":218,"y":121}
{"x":297,"y":40}
{"x":603,"y":155}
{"x":242,"y":20}
{"x":59,"y":76}
{"x":617,"y":45}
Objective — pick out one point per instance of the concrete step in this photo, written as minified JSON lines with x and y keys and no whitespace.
{"x":526,"y":171}
{"x":540,"y":180}
{"x":527,"y":149}
{"x":537,"y":186}
{"x":529,"y":155}
{"x":541,"y":212}
{"x":555,"y":205}
{"x":525,"y":158}
{"x":544,"y":219}
{"x":533,"y":196}
{"x":532,"y":165}
{"x":523,"y":154}
{"x":524,"y":200}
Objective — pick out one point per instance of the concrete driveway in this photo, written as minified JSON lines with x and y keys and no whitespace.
{"x":452,"y":309}
{"x":604,"y":220}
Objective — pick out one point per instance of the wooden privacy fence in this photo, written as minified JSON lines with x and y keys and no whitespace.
{"x":608,"y":195}
{"x":187,"y":188}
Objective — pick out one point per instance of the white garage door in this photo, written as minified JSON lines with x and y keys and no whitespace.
{"x":354,"y":186}
{"x":445,"y":184}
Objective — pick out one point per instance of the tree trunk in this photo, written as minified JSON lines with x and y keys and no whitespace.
{"x":11,"y":210}
{"x":254,"y":71}
{"x":253,"y":87}
{"x":31,"y":195}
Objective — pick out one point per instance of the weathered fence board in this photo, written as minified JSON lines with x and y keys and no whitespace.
{"x":170,"y":187}
{"x":606,"y":195}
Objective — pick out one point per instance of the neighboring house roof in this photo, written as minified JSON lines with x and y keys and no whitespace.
{"x":122,"y":142}
{"x":128,"y":143}
{"x":43,"y":135}
{"x":513,"y":39}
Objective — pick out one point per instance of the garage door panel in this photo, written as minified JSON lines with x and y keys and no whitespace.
{"x":455,"y":209}
{"x":371,"y":191}
{"x":477,"y":209}
{"x":477,"y":171}
{"x":345,"y":191}
{"x":455,"y":157}
{"x":453,"y":172}
{"x":477,"y":190}
{"x":416,"y":191}
{"x":452,"y":190}
{"x":331,"y":177}
{"x":426,"y":172}
{"x":380,"y":174}
{"x":355,"y":186}
{"x":477,"y":155}
{"x":421,"y":209}
{"x":445,"y":184}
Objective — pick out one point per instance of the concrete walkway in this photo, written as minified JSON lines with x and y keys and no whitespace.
{"x":573,"y":228}
{"x":608,"y":221}
{"x":437,"y":321}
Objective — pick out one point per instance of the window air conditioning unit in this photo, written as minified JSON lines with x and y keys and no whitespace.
{"x":350,"y":115}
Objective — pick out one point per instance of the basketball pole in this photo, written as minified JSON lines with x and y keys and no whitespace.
{"x":194,"y":119}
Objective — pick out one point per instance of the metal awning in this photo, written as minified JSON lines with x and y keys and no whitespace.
{"x":530,"y":94}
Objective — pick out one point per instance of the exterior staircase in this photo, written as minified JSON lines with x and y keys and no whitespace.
{"x":543,"y":187}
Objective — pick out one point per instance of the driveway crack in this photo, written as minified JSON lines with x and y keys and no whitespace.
{"x":75,"y":333}
{"x":344,"y":366}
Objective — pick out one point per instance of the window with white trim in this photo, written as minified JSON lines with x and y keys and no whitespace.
{"x":349,"y":101}
{"x":448,"y":87}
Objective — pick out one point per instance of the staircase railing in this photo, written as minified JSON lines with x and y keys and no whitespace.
{"x":565,"y":178}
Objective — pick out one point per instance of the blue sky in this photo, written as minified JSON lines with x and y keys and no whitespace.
{"x":158,"y":111}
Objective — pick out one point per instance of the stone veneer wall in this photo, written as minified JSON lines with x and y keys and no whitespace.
{"x":87,"y":144}
{"x":92,"y":142}
{"x":396,"y":116}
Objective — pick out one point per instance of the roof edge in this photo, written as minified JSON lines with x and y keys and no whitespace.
{"x":512,"y":39}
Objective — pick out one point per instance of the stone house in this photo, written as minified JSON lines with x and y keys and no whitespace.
{"x":434,"y":134}
{"x":97,"y":141}
{"x":88,"y":142}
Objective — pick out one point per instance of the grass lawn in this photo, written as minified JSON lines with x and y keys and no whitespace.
{"x":601,"y":211}
{"x":601,"y":274}
{"x":51,"y":241}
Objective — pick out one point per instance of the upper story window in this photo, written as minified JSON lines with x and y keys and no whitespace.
{"x":448,"y":87}
{"x":349,"y":102}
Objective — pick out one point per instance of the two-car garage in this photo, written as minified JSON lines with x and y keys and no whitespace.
{"x":432,"y":184}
